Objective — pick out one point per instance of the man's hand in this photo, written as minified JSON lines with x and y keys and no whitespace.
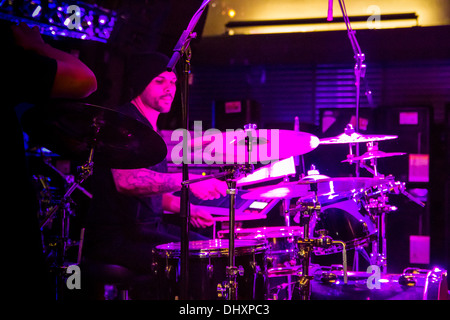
{"x":209,"y":189}
{"x":200,"y":218}
{"x":28,"y":38}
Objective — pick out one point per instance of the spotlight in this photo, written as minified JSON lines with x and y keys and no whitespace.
{"x":58,"y":18}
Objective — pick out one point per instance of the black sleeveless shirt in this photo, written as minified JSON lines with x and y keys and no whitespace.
{"x":114,"y":211}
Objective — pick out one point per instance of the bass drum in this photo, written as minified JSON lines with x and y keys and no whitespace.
{"x":208,"y":260}
{"x":412,"y":284}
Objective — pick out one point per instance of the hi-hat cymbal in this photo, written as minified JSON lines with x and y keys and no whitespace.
{"x":325,"y":187}
{"x":72,"y":128}
{"x":374,"y":155}
{"x":267,"y":145}
{"x":355,"y":138}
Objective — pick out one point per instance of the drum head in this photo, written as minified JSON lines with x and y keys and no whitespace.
{"x":263,"y":233}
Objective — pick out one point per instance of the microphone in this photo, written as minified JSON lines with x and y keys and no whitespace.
{"x":330,"y":10}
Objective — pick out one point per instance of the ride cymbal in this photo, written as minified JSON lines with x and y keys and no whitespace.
{"x":71,"y":129}
{"x":355,"y":138}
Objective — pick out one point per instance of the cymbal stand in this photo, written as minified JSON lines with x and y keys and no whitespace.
{"x":378,"y":207}
{"x":63,"y":207}
{"x":182,"y":49}
{"x":359,"y":69}
{"x":231,"y":174}
{"x":68,"y":178}
{"x":371,"y":147}
{"x":308,"y":211}
{"x":302,"y":289}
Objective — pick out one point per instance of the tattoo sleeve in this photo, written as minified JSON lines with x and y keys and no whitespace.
{"x":144,"y":182}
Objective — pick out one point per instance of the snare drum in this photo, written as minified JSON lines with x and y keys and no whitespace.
{"x":208,"y":260}
{"x":281,"y":243}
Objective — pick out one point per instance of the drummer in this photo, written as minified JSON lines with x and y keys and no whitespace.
{"x":125,"y":220}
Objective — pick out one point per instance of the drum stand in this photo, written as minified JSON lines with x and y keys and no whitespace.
{"x":63,"y":207}
{"x":61,"y":244}
{"x":182,"y":49}
{"x":302,"y":289}
{"x":308,"y":210}
{"x":229,"y":288}
{"x":378,"y":207}
{"x":232,"y":270}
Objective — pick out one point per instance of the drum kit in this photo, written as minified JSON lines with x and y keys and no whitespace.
{"x":239,"y":263}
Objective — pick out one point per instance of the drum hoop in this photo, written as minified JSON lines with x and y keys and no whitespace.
{"x":264,"y":233}
{"x":253,"y":247}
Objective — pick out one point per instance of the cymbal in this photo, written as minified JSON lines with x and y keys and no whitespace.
{"x":325,"y":187}
{"x":374,"y":155}
{"x":70,"y":128}
{"x":267,"y":145}
{"x":285,"y":190}
{"x":355,"y":138}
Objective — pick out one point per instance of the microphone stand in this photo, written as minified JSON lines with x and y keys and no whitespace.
{"x":360,"y":68}
{"x":182,"y":49}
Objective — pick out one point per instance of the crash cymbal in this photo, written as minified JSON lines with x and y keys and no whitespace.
{"x":272,"y":171}
{"x":374,"y":155}
{"x":284,"y":190}
{"x":267,"y":145}
{"x":71,"y":128}
{"x":325,"y":187}
{"x":355,"y":138}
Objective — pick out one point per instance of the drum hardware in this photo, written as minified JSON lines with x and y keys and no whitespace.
{"x":63,"y":207}
{"x":75,"y":130}
{"x":411,"y":284}
{"x":281,"y":245}
{"x":351,"y":137}
{"x":68,"y":127}
{"x":231,"y":174}
{"x":375,"y":201}
{"x":69,"y":179}
{"x":328,"y":188}
{"x":372,"y":154}
{"x":252,"y":140}
{"x":209,"y":260}
{"x":302,"y":289}
{"x":231,"y":270}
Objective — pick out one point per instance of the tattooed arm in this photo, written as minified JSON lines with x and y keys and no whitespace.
{"x":145,"y":182}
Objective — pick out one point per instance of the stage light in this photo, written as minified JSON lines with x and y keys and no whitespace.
{"x":58,"y":18}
